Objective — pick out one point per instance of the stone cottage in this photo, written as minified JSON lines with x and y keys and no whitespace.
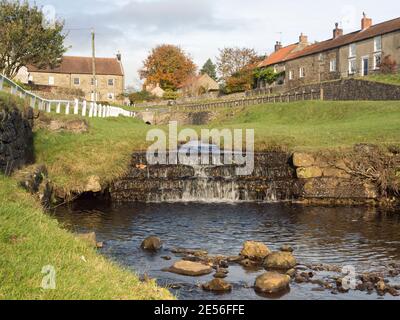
{"x":356,"y":54}
{"x":77,"y":73}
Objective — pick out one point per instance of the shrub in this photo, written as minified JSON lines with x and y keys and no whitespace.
{"x":388,"y":65}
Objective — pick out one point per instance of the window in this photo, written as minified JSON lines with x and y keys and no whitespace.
{"x":352,"y":50}
{"x":377,"y":44}
{"x":302,"y":72}
{"x":290,"y":75}
{"x":321,"y":57}
{"x":92,"y":82}
{"x":77,"y":81}
{"x":110,"y":96}
{"x":111,"y":82}
{"x":332,"y":65}
{"x":377,"y":60}
{"x":352,"y":66}
{"x":51,"y":81}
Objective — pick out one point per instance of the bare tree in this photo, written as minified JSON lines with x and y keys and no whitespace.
{"x":233,"y":60}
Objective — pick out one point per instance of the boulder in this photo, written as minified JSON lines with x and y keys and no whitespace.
{"x":303,"y":160}
{"x":188,"y":268}
{"x":151,"y":244}
{"x":280,"y":261}
{"x":272,"y":282}
{"x":93,"y":185}
{"x":217,"y":285}
{"x":309,"y":172}
{"x":255,"y":250}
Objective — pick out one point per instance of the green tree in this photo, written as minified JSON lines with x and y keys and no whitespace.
{"x":27,"y":38}
{"x":209,"y":68}
{"x":268,"y":75}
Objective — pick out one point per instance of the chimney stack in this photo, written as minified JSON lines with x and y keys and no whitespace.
{"x":365,"y":22}
{"x":119,"y":56}
{"x":303,"y":39}
{"x":337,"y":32}
{"x":278,"y":46}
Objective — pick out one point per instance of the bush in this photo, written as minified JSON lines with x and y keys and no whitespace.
{"x":388,"y":65}
{"x":141,"y":96}
{"x":170,"y":95}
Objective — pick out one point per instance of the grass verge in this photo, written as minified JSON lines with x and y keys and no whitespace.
{"x":30,"y":240}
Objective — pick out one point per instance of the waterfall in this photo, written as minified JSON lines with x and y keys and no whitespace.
{"x":273,"y":180}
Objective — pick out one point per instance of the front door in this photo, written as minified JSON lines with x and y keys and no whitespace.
{"x":365,"y":66}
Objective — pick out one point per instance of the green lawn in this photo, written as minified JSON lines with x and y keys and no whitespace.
{"x":385,"y":78}
{"x":31,"y":239}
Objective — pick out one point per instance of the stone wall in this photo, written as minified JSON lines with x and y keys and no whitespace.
{"x":350,"y":89}
{"x":16,"y":137}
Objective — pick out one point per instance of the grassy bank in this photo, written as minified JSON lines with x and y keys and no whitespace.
{"x":30,"y":239}
{"x":105,"y":150}
{"x":385,"y":78}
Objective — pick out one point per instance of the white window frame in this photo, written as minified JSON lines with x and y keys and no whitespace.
{"x":376,"y":66}
{"x":352,"y":50}
{"x":92,"y":82}
{"x":333,"y":65}
{"x":376,"y":41}
{"x":351,"y":72}
{"x":51,"y":81}
{"x":79,"y":81}
{"x":291,"y":73}
{"x":113,"y":82}
{"x":302,"y":72}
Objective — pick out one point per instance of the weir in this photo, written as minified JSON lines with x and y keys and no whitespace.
{"x":273,"y":180}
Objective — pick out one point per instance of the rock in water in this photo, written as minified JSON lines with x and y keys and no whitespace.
{"x":188,"y":268}
{"x":217,"y":285}
{"x":151,"y":244}
{"x":280,"y":261}
{"x":286,"y":248}
{"x":272,"y":282}
{"x":255,"y":250}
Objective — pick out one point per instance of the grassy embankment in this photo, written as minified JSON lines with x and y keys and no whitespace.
{"x":385,"y":78}
{"x":105,"y":150}
{"x":31,"y":239}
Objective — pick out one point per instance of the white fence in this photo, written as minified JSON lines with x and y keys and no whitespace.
{"x":76,"y":107}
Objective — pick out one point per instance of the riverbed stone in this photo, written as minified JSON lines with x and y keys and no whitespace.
{"x":151,"y":244}
{"x":217,"y":285}
{"x":272,"y":282}
{"x":255,"y":250}
{"x":93,"y":185}
{"x":280,"y":261}
{"x":303,"y":160}
{"x":286,"y":248}
{"x":188,"y":268}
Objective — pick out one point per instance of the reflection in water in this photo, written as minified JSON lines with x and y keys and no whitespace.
{"x":360,"y":236}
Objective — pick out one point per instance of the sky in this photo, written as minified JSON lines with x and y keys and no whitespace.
{"x":201,"y":27}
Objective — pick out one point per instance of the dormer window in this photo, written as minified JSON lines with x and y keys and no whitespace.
{"x":378,"y":44}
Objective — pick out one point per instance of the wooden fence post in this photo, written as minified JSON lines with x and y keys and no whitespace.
{"x":48,"y":108}
{"x":1,"y":83}
{"x":322,"y":94}
{"x":58,"y":109}
{"x":32,"y":103}
{"x":67,"y":108}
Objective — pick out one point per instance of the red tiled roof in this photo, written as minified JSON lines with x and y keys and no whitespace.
{"x":373,"y":31}
{"x":83,"y":65}
{"x":278,"y":56}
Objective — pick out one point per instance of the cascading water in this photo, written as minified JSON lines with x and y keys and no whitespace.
{"x":272,"y":180}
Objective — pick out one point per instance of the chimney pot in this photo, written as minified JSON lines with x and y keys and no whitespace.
{"x":303,"y":39}
{"x":119,"y":56}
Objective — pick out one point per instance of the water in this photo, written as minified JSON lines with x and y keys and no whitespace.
{"x":363,"y":237}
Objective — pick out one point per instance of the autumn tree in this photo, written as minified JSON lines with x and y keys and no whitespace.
{"x":27,"y":38}
{"x":232,"y":60}
{"x":209,"y":68}
{"x":167,"y":65}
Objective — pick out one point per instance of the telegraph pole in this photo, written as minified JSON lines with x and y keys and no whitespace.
{"x":94,"y":67}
